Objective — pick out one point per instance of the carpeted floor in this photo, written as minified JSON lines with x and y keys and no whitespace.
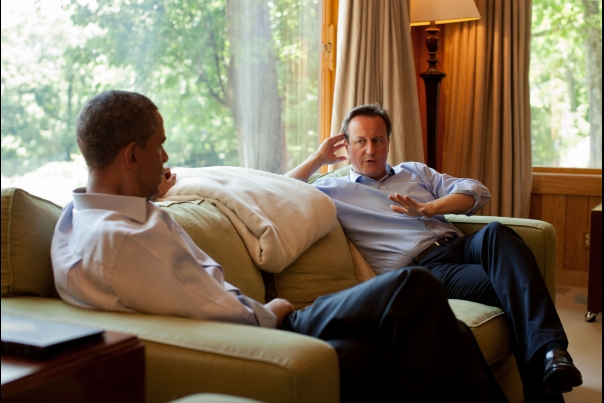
{"x":585,"y":343}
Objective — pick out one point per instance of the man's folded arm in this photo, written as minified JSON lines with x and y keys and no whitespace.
{"x":177,"y":285}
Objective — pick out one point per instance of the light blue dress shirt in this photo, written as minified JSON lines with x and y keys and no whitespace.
{"x":390,"y":240}
{"x":121,"y":253}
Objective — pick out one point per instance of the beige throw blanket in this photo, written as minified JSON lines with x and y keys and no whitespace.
{"x":277,"y":217}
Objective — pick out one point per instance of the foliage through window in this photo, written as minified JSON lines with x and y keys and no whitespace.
{"x":566,"y":83}
{"x":235,"y":80}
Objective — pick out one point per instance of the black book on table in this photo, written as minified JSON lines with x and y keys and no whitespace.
{"x":34,"y":338}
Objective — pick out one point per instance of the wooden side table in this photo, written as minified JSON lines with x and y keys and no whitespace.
{"x":594,"y":285}
{"x":109,"y":370}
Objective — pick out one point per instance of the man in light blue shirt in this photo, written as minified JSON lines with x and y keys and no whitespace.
{"x":395,"y":218}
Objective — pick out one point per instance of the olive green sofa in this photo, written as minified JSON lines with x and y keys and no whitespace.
{"x":185,"y":356}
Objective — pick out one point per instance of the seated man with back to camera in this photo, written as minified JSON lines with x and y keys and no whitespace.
{"x":493,"y":266}
{"x":395,"y":336}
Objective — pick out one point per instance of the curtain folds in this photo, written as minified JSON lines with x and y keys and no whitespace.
{"x":487,"y":132}
{"x":375,"y":64}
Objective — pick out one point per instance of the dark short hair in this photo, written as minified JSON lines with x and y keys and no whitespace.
{"x":367,"y":110}
{"x":112,"y":120}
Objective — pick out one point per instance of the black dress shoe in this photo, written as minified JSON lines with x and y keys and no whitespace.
{"x":559,"y":373}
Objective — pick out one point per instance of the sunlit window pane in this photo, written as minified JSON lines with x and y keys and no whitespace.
{"x":236,"y":81}
{"x":566,"y":83}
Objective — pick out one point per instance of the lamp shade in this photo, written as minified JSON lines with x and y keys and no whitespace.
{"x":423,"y":12}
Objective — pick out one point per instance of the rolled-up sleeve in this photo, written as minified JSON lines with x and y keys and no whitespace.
{"x":444,"y":184}
{"x":475,"y":189}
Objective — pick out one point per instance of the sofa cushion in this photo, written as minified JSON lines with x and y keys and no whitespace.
{"x":490,"y":326}
{"x":213,"y":232}
{"x":338,"y":173}
{"x":185,"y":356}
{"x":326,"y":267}
{"x":28,"y":223}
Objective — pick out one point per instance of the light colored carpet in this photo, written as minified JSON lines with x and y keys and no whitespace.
{"x":585,"y":343}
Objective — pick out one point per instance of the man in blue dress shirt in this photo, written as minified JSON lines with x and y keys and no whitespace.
{"x":395,"y":218}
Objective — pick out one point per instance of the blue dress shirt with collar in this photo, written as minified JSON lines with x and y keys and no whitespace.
{"x":122,"y":253}
{"x":390,"y":240}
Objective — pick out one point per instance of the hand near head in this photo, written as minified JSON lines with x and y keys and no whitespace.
{"x":281,"y":308}
{"x":167,"y":181}
{"x":325,"y":155}
{"x":410,"y":207}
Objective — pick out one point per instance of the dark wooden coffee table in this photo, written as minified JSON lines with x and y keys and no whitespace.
{"x":109,"y":370}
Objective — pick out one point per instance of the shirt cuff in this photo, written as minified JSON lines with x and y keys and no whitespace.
{"x":264,"y":317}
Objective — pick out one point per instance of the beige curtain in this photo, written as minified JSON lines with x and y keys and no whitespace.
{"x":375,"y":64}
{"x":487,"y":132}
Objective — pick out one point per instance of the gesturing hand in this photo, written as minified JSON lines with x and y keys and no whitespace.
{"x":408,"y":206}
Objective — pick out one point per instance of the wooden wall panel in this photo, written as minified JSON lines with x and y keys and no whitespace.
{"x":567,"y":184}
{"x":553,"y":211}
{"x":535,"y":213}
{"x":565,"y":197}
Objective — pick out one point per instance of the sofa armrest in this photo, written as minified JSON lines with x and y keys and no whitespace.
{"x":540,"y":236}
{"x":186,"y":356}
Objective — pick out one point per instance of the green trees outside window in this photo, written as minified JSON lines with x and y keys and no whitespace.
{"x":566,"y":83}
{"x":235,"y":80}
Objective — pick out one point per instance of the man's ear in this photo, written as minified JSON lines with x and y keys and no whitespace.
{"x":346,"y":146}
{"x":129,"y":155}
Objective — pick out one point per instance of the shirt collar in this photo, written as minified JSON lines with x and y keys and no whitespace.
{"x":131,"y":206}
{"x":356,"y":177}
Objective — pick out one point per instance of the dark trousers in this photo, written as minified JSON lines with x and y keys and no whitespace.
{"x":495,"y":267}
{"x":398,"y":340}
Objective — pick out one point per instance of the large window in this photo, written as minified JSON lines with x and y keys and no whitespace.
{"x":235,"y":80}
{"x":566,"y":83}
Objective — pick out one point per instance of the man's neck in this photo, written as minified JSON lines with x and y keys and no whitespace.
{"x":377,"y":179}
{"x":110,"y":181}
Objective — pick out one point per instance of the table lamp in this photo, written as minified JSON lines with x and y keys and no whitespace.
{"x":432,"y":12}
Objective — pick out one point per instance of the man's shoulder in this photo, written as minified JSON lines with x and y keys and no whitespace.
{"x":327,"y":182}
{"x":410,"y":166}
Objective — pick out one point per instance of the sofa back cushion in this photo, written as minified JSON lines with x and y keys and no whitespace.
{"x":326,"y":267}
{"x":338,"y":173}
{"x":28,"y":223}
{"x":213,"y":232}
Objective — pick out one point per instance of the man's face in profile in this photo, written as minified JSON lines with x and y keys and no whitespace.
{"x":368,"y":146}
{"x":151,"y":159}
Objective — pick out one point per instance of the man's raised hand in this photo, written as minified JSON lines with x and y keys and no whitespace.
{"x":326,"y":152}
{"x":325,"y":155}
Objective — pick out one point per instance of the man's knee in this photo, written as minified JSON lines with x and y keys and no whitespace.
{"x":498,"y":229}
{"x":495,"y":227}
{"x":418,"y":275}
